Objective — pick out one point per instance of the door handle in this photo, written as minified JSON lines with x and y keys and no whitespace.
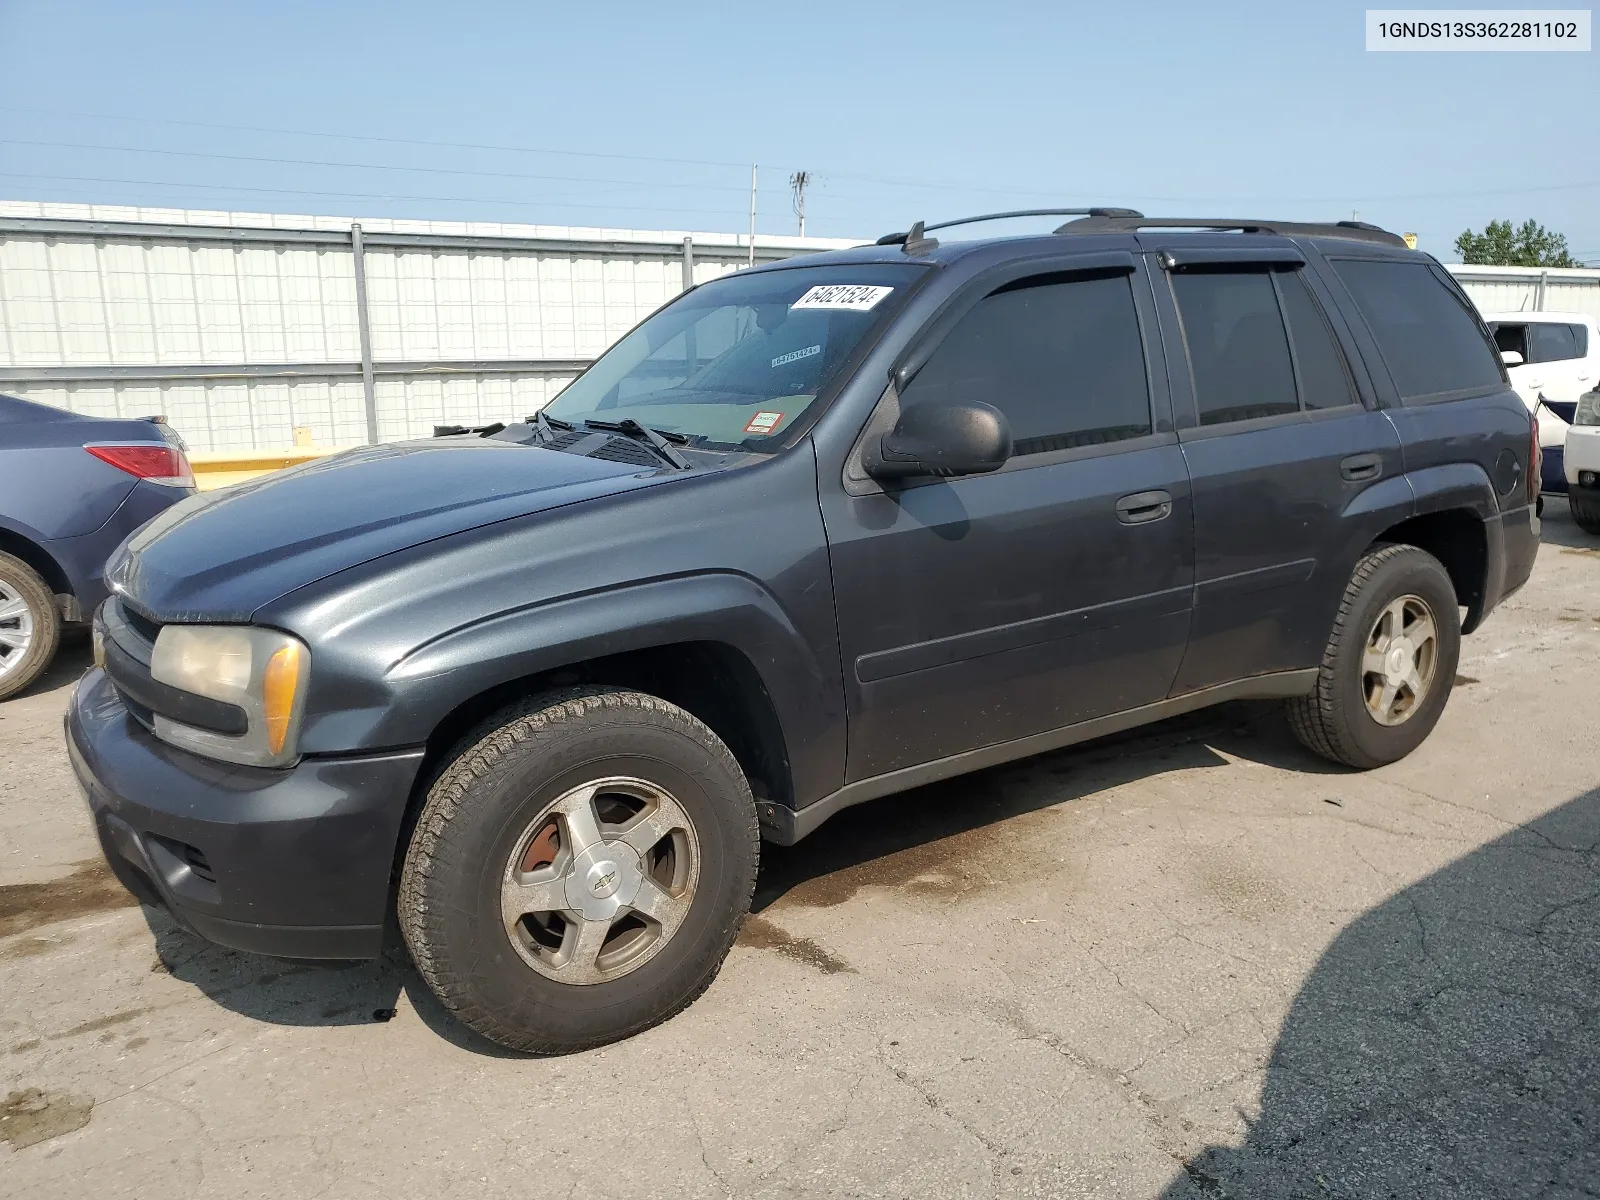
{"x":1144,"y":506}
{"x":1360,"y":467}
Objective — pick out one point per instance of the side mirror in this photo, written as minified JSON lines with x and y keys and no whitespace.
{"x":964,"y":438}
{"x":1511,"y":358}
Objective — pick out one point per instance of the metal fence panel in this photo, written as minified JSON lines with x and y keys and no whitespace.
{"x":243,"y":328}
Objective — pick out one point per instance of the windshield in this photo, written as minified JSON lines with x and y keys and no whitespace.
{"x":738,"y":361}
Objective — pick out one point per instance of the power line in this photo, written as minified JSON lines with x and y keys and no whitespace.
{"x":367,"y":137}
{"x":392,"y":196}
{"x":313,"y":162}
{"x":938,"y":185}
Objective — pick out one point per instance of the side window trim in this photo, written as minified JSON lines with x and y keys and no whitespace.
{"x":1378,"y":367}
{"x":983,"y":285}
{"x":1294,"y":349}
{"x":919,"y":348}
{"x":1256,"y":265}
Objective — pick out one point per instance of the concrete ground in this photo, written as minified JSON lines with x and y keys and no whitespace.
{"x":1193,"y":962}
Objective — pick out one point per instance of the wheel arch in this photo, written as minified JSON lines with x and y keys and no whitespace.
{"x":1454,"y":511}
{"x":31,"y":551}
{"x":714,"y":681}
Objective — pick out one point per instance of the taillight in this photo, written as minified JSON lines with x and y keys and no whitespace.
{"x":1535,"y":458}
{"x":154,"y":461}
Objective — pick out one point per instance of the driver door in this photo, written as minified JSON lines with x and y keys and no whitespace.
{"x":982,"y":610}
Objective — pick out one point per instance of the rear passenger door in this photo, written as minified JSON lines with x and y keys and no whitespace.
{"x":1279,"y":446}
{"x":982,"y":610}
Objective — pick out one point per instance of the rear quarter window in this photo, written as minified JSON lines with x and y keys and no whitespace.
{"x":1431,"y":343}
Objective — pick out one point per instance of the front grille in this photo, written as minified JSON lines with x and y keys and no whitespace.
{"x":138,"y":622}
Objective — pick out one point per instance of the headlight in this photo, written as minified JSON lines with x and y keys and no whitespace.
{"x":263,"y":672}
{"x":1588,"y":412}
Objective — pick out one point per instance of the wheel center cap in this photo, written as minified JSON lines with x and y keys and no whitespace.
{"x":603,"y":880}
{"x":1398,"y":664}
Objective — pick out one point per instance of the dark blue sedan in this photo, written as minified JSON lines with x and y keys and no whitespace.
{"x":71,"y":489}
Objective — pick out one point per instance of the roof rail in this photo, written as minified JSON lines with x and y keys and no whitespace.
{"x":1120,"y":223}
{"x":917,"y":234}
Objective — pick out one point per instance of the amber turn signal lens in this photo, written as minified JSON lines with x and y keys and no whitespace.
{"x":279,"y":684}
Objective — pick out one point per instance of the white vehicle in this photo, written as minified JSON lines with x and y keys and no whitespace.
{"x":1582,"y":465}
{"x":1553,"y":358}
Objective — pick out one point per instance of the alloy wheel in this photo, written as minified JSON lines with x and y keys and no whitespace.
{"x":600,"y":881}
{"x":1397,"y":667}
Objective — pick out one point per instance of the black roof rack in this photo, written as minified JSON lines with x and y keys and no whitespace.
{"x":1124,"y":223}
{"x":916,"y":240}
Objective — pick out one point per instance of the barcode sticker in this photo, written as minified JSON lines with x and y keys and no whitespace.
{"x":851,"y":297}
{"x":796,"y":355}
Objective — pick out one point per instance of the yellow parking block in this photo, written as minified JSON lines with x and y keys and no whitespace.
{"x":214,"y":470}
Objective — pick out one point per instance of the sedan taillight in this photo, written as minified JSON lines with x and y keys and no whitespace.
{"x":152,"y":461}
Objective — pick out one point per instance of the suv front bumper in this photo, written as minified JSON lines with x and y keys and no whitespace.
{"x":293,"y":862}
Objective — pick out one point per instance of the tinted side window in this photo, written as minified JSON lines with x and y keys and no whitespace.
{"x":1552,"y":343}
{"x":1324,"y":380}
{"x":1060,"y":357}
{"x":1237,"y":345}
{"x":1512,"y":338}
{"x":1430,"y":341}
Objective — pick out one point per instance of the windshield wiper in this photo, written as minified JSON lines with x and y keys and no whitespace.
{"x":658,"y":439}
{"x":547,"y":426}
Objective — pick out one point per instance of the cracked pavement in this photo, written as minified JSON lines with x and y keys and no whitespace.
{"x":1189,"y":962}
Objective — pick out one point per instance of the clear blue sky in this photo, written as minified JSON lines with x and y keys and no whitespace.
{"x":901,"y":111}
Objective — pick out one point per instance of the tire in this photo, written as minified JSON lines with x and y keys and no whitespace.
{"x":490,"y":811}
{"x":1338,"y":720}
{"x":28,"y":615}
{"x":1586,"y":512}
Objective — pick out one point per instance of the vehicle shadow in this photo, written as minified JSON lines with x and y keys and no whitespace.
{"x":283,"y":992}
{"x":73,"y":658}
{"x":825,"y":862}
{"x":1557,"y":528}
{"x":298,"y":992}
{"x":1448,"y":1042}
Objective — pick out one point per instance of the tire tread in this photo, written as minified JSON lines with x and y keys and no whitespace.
{"x":1318,"y":719}
{"x":526,"y":726}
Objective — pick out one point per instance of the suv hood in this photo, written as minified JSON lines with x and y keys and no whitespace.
{"x":219,"y":556}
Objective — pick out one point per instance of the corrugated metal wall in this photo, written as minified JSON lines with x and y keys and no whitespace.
{"x":242,"y":328}
{"x":1523,"y":289}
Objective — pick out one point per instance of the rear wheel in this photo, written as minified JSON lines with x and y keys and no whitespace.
{"x":1585,"y":511}
{"x":1390,"y":662}
{"x":30,"y":626}
{"x":579,"y":870}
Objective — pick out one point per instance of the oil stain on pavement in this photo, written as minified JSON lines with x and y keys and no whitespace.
{"x":89,"y":888}
{"x":761,"y":934}
{"x":30,"y":1116}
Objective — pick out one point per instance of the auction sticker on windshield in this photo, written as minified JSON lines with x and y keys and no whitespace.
{"x":852,"y":297}
{"x":763,"y":422}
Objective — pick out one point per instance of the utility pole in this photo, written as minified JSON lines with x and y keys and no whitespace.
{"x":752,"y":214}
{"x":798,"y":182}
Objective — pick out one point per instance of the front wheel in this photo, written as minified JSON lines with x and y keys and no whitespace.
{"x":580,"y":870}
{"x":1390,"y":661}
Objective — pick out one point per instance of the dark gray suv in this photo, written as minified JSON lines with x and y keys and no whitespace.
{"x":810,"y":534}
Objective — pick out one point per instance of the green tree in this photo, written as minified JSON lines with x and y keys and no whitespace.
{"x":1529,"y":245}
